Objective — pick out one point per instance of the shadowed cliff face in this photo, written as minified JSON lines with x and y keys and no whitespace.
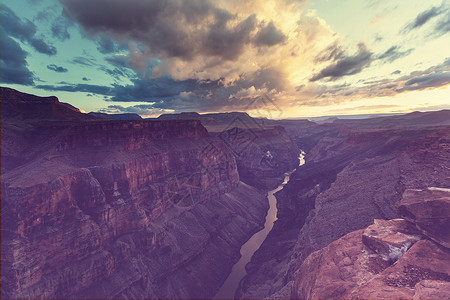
{"x":125,"y":209}
{"x":262,"y":155}
{"x":355,"y":172}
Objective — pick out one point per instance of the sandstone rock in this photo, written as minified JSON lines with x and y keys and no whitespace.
{"x":425,"y":260}
{"x":117,"y":209}
{"x":355,"y":172}
{"x":390,"y":238}
{"x":347,"y":268}
{"x":432,"y":289}
{"x":429,"y":210}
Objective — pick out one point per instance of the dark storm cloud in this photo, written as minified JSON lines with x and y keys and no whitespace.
{"x":23,"y":30}
{"x":13,"y":64}
{"x":393,"y":53}
{"x":346,"y":65}
{"x":173,"y":28}
{"x":269,"y":36}
{"x":107,"y":45}
{"x":56,"y":68}
{"x":227,"y":43}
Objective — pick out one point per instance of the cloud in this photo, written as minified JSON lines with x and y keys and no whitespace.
{"x":86,"y":88}
{"x":60,"y":29}
{"x":56,"y":68}
{"x":331,"y":53}
{"x":152,"y":90}
{"x":424,"y":17}
{"x":13,"y":64}
{"x":84,"y":61}
{"x":426,"y":82}
{"x":43,"y":47}
{"x":146,"y":110}
{"x":186,"y":39}
{"x":347,"y":65}
{"x":169,"y":28}
{"x":24,"y":30}
{"x":393,"y":53}
{"x":269,"y":36}
{"x":431,"y":78}
{"x":443,"y":25}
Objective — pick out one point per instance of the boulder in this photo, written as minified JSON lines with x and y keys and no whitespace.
{"x":429,"y":210}
{"x":390,"y":238}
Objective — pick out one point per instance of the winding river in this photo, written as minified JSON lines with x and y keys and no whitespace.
{"x":238,"y":271}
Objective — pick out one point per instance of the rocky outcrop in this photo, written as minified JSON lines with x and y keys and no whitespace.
{"x":354,"y":174}
{"x":430,"y":210}
{"x":391,"y":259}
{"x":120,"y":209}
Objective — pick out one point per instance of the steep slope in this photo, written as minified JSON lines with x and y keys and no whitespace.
{"x":262,"y":155}
{"x":354,"y":174}
{"x":119,"y":209}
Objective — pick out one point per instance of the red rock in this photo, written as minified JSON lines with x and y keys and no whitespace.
{"x":390,"y":238}
{"x":432,"y":289}
{"x":429,"y":210}
{"x":424,"y":261}
{"x":347,"y":268}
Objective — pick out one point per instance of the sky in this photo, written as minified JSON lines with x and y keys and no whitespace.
{"x":276,"y":59}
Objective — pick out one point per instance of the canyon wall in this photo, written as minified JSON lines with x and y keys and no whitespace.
{"x":353,"y":175}
{"x":263,"y":155}
{"x":118,"y":209}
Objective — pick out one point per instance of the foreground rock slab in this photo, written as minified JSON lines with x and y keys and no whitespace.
{"x":355,"y":267}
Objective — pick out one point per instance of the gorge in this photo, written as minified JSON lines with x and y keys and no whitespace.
{"x":99,"y":208}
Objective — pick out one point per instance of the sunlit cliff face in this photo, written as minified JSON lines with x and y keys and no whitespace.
{"x":305,"y":57}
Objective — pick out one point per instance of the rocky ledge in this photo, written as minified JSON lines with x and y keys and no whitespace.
{"x":391,"y":259}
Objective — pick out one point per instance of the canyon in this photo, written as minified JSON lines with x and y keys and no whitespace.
{"x":98,"y":206}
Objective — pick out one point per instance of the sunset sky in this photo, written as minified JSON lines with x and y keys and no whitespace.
{"x":279,"y":59}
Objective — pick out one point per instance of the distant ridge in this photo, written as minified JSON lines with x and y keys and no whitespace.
{"x":124,"y":116}
{"x":22,"y":106}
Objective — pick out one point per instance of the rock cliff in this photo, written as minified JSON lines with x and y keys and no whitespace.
{"x":355,"y":172}
{"x":262,"y":155}
{"x":117,"y":209}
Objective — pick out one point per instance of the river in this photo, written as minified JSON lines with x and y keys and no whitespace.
{"x":238,"y":271}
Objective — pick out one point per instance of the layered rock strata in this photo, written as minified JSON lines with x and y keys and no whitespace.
{"x":353,"y":175}
{"x":119,"y":209}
